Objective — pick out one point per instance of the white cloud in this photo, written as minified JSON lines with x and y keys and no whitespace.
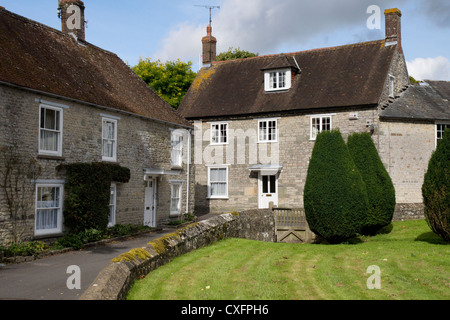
{"x":429,"y":68}
{"x":265,"y":27}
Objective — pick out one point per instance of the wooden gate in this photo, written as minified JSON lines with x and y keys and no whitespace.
{"x":291,"y":226}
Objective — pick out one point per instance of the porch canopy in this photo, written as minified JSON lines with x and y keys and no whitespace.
{"x":267,"y":169}
{"x":157,"y":172}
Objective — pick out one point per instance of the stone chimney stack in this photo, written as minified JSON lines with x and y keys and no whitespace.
{"x":393,"y":19}
{"x":71,"y":13}
{"x":209,"y":47}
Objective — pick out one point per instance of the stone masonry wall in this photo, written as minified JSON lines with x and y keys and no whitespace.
{"x":294,"y":146}
{"x":141,"y":144}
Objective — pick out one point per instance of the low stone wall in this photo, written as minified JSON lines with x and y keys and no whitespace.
{"x":409,"y":211}
{"x":115,"y":280}
{"x":257,"y":225}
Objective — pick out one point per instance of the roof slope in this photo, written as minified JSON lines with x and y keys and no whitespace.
{"x":425,"y":101}
{"x":38,"y":57}
{"x":350,"y":75}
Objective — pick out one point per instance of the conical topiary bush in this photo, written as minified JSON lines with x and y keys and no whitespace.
{"x":436,"y":189}
{"x":379,"y":186}
{"x":335,"y":197}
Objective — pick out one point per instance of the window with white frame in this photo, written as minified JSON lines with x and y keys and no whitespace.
{"x":391,"y":86}
{"x":177,"y":149}
{"x":277,"y":80}
{"x":440,"y":129}
{"x":50,"y":130}
{"x":267,"y":130}
{"x":175,"y":198}
{"x":219,"y":133}
{"x":48,"y":218}
{"x":112,"y":205}
{"x":319,"y":124}
{"x":109,"y":139}
{"x":218,"y":182}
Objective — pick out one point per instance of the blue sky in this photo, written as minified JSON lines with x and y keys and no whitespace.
{"x":170,"y":30}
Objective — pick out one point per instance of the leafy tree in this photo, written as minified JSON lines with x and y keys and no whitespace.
{"x":436,"y":189}
{"x":237,"y":53}
{"x":335,"y":196}
{"x":380,"y":189}
{"x":170,"y":80}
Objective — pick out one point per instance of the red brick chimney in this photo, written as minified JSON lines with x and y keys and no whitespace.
{"x":393,"y":19}
{"x":209,"y":47}
{"x":71,"y":13}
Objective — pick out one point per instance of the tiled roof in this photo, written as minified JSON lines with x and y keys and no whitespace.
{"x":350,"y":75}
{"x":425,"y":101}
{"x":38,"y":57}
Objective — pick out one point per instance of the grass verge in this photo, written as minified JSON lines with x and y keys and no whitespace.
{"x":414,"y":264}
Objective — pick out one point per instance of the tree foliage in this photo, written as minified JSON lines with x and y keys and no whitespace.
{"x":379,"y":186}
{"x":335,"y":196}
{"x":436,"y":189}
{"x":170,"y":80}
{"x":235,"y":53}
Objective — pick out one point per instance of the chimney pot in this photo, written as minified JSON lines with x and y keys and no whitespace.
{"x":209,"y":47}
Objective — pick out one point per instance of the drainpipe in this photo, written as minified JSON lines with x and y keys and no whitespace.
{"x":188,"y":174}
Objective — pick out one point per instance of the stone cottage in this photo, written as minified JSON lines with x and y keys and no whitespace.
{"x":62,"y":101}
{"x":256,"y":119}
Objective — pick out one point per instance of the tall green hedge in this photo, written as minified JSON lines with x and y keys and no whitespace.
{"x":335,"y":197}
{"x":380,"y":189}
{"x":436,"y":189}
{"x":87,"y":189}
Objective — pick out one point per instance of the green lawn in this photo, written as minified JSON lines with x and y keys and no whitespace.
{"x":414,"y":263}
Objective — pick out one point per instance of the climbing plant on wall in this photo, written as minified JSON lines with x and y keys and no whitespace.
{"x":87,"y":194}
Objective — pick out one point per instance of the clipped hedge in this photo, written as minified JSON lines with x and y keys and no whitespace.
{"x":335,"y":197}
{"x":87,"y":188}
{"x":380,"y":189}
{"x":436,"y":189}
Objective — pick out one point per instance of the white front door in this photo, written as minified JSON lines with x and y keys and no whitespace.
{"x":150,"y":203}
{"x":268,"y":190}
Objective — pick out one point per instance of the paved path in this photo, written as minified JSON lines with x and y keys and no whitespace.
{"x":46,"y":279}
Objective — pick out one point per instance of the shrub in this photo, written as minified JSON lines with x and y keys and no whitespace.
{"x":88,"y":194}
{"x":379,"y":186}
{"x":335,"y":197}
{"x":436,"y":189}
{"x":23,"y":249}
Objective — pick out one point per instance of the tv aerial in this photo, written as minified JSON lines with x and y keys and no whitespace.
{"x":210,"y":10}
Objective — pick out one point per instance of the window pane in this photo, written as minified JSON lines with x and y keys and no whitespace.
{"x":49,"y":140}
{"x":272,"y":131}
{"x":223,"y":133}
{"x":47,"y":219}
{"x":273,"y":188}
{"x":47,"y":208}
{"x":282,"y":79}
{"x":265,"y":184}
{"x":262,"y":131}
{"x":326,"y":124}
{"x":273,"y":80}
{"x":218,"y":182}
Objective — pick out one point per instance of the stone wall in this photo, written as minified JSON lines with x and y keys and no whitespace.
{"x":257,"y":225}
{"x":115,"y":280}
{"x":409,"y":211}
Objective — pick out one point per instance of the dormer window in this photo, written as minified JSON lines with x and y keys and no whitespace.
{"x":276,"y":80}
